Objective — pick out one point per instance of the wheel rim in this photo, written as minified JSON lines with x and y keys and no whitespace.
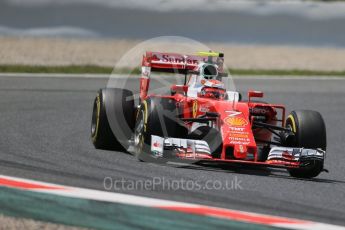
{"x":138,"y":131}
{"x":94,"y":120}
{"x":288,"y":126}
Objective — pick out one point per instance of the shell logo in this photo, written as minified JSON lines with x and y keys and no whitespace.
{"x":236,"y":121}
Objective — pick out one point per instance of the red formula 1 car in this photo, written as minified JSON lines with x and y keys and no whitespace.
{"x":204,"y":121}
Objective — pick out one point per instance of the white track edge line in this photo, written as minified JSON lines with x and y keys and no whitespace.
{"x":113,"y":197}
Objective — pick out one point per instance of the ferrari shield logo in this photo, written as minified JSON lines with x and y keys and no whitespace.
{"x":195,"y":108}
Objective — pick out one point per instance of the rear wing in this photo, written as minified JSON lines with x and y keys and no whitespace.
{"x":178,"y":63}
{"x":174,"y":63}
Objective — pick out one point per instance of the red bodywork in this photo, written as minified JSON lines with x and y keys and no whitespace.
{"x":240,"y":140}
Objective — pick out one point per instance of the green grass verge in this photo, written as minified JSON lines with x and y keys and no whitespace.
{"x":93,"y":69}
{"x":94,"y":214}
{"x":54,"y":69}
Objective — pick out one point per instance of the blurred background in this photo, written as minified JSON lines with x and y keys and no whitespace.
{"x":254,"y":34}
{"x":45,"y":118}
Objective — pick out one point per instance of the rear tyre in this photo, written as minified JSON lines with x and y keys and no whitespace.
{"x":156,"y":116}
{"x":310,"y":132}
{"x":113,"y":110}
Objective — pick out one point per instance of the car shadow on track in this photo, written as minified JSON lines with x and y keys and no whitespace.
{"x":256,"y":171}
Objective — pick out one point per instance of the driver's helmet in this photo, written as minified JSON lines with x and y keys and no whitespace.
{"x":212,"y":87}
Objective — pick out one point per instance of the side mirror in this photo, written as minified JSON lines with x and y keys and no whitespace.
{"x":178,"y":89}
{"x":255,"y":94}
{"x":193,"y":72}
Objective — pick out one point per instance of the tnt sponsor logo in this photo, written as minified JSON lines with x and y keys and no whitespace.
{"x":237,"y":129}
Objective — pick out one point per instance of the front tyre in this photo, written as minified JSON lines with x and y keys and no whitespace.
{"x":156,"y":116}
{"x":310,"y":132}
{"x":113,"y":110}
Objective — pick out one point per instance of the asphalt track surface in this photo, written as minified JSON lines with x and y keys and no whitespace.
{"x":45,"y":128}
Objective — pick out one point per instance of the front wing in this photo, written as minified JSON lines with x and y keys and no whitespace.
{"x":199,"y":151}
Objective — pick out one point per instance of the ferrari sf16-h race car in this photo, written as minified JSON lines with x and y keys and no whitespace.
{"x":204,"y":121}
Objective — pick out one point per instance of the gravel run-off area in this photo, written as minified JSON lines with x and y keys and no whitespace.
{"x":62,"y":51}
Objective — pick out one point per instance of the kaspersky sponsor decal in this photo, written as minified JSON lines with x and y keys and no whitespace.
{"x":239,"y":136}
{"x":244,"y":135}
